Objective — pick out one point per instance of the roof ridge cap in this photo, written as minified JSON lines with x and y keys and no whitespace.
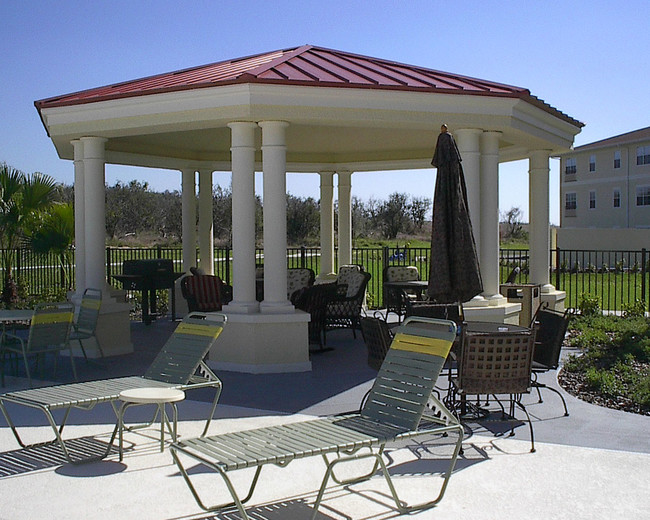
{"x":286,"y":55}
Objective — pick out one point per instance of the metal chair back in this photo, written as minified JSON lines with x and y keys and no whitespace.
{"x":551,"y":329}
{"x":409,"y":372}
{"x":50,"y":327}
{"x":88,"y":315}
{"x":179,"y":358}
{"x":499,"y":363}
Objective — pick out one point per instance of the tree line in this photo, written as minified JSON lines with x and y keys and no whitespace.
{"x":133,"y":208}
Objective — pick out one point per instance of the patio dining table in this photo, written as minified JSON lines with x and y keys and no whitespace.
{"x":418,"y":286}
{"x":15,"y":316}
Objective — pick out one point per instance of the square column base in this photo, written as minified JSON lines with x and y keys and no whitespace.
{"x":505,"y":312}
{"x":263,"y":343}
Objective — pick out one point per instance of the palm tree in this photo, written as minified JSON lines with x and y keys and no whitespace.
{"x":22,"y":200}
{"x":54,"y":233}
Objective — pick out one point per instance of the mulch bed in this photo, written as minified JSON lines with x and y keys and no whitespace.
{"x":574,"y":383}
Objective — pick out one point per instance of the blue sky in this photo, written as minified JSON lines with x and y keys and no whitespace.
{"x":590,"y":59}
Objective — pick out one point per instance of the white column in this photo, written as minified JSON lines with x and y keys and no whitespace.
{"x":243,"y":217}
{"x":539,"y":227}
{"x":489,"y":216}
{"x":274,"y":167}
{"x":326,"y":224}
{"x":188,"y":202}
{"x":206,"y":236}
{"x":79,"y":220}
{"x":94,"y":211}
{"x":345,"y":218}
{"x":467,"y":140}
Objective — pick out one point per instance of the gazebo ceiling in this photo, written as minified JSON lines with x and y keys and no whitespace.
{"x":345,"y":111}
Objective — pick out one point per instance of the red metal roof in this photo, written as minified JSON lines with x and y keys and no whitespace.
{"x":306,"y":66}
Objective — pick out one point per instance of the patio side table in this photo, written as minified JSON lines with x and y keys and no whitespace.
{"x":149,"y":395}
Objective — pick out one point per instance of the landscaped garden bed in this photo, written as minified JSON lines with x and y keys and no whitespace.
{"x":612,"y":366}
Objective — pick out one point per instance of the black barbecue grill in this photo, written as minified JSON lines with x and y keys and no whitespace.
{"x":148,"y":276}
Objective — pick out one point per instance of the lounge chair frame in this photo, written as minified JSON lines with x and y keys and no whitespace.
{"x":393,"y":412}
{"x":178,"y":365}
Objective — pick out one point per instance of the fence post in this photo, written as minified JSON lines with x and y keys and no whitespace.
{"x":557,"y":269}
{"x":303,"y":257}
{"x":108,"y":264}
{"x":227,"y":265}
{"x":158,"y":251}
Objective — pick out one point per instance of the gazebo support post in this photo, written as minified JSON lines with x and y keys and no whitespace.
{"x":274,"y":166}
{"x":345,"y":218}
{"x":326,"y":226}
{"x":538,"y":179}
{"x":489,"y":217}
{"x":206,"y":238}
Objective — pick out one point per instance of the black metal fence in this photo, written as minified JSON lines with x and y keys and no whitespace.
{"x":614,"y":278}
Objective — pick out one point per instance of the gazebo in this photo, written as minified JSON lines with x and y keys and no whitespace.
{"x":312,"y":110}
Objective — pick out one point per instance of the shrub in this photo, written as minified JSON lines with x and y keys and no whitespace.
{"x":635,"y":309}
{"x":588,"y":305}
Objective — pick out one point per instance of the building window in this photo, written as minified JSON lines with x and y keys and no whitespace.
{"x":570,"y":166}
{"x":570,"y":201}
{"x":643,"y":195}
{"x":592,"y":200}
{"x":617,"y":159}
{"x":643,"y":155}
{"x":592,"y":163}
{"x":617,"y":198}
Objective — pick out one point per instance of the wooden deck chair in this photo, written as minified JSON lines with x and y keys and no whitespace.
{"x":392,"y":412}
{"x":86,"y":323}
{"x":178,"y":365}
{"x":49,"y":333}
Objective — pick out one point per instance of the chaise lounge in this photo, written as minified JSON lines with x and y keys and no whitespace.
{"x":392,"y":412}
{"x":178,"y":365}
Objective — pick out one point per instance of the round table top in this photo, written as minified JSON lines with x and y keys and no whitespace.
{"x":152,"y":395}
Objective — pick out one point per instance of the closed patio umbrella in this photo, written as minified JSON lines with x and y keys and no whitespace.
{"x":454,"y":274}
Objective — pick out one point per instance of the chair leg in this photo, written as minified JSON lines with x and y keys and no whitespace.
{"x":517,"y":401}
{"x":542,"y":385}
{"x":29,"y":376}
{"x":83,"y":350}
{"x":74,"y":368}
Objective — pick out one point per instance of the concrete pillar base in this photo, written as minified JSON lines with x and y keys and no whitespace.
{"x":503,"y":313}
{"x":263,"y":343}
{"x":554,"y":298}
{"x":276,"y":307}
{"x":242,"y":308}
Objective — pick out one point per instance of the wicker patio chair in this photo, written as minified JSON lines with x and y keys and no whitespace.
{"x":496,"y":364}
{"x":314,"y":300}
{"x":345,"y":310}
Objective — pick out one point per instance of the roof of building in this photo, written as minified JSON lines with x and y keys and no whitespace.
{"x":306,"y":66}
{"x":643,"y":134}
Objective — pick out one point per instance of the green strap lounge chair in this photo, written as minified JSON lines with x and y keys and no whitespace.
{"x":85,"y":325}
{"x":49,"y":333}
{"x":178,"y":365}
{"x":393,"y":411}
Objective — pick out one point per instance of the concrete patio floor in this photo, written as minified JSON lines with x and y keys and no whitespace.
{"x":593,"y":463}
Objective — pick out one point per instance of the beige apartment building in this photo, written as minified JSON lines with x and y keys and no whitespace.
{"x":605,"y":194}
